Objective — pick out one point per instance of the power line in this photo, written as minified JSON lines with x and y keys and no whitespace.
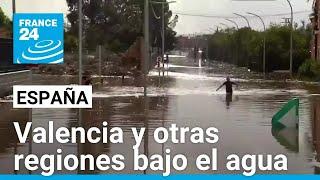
{"x":234,"y":17}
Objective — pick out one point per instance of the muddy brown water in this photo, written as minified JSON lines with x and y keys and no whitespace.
{"x":186,"y":96}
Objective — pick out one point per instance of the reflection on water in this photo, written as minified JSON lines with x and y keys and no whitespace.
{"x":186,"y":99}
{"x":228,"y":99}
{"x":287,"y":137}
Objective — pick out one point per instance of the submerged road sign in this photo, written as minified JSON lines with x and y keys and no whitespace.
{"x":288,"y":116}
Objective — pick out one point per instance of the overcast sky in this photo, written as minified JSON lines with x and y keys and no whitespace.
{"x":188,"y":24}
{"x":195,"y":24}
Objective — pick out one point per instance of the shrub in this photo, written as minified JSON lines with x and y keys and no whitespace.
{"x":310,"y":69}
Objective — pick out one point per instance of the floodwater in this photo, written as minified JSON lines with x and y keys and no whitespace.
{"x":185,"y":96}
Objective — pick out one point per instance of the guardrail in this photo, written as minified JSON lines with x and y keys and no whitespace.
{"x":7,"y":80}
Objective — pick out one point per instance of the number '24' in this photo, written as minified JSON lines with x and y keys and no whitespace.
{"x":26,"y":34}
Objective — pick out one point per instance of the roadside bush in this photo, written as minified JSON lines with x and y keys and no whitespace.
{"x":310,"y":69}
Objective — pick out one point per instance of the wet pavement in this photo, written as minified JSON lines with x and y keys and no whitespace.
{"x":185,"y":96}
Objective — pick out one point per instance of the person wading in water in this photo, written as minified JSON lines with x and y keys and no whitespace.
{"x":228,"y":84}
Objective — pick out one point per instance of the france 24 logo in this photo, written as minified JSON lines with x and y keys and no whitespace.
{"x":38,"y":38}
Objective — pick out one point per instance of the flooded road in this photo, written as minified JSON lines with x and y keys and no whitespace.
{"x":185,"y":96}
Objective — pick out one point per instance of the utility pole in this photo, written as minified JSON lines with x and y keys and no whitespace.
{"x":163,"y":34}
{"x":146,"y":45}
{"x":13,"y":7}
{"x":207,"y":49}
{"x":291,"y":39}
{"x":80,"y":41}
{"x":80,"y":118}
{"x":13,"y":12}
{"x":100,"y":64}
{"x":264,"y":42}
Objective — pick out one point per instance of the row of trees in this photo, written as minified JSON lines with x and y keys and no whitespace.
{"x":244,"y":47}
{"x":116,"y":24}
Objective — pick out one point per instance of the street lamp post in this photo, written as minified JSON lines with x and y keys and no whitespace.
{"x":291,"y":36}
{"x":264,"y":42}
{"x":237,"y":43}
{"x":243,"y":18}
{"x":248,"y":26}
{"x":233,"y":22}
{"x":291,"y":39}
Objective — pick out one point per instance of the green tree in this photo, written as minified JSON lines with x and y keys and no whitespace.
{"x":245,"y":47}
{"x":116,"y":24}
{"x":310,"y":69}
